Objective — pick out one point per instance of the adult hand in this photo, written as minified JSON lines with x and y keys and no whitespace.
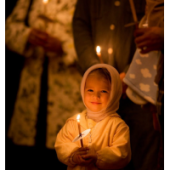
{"x":149,"y":39}
{"x":43,"y":39}
{"x":53,"y":45}
{"x":37,"y":37}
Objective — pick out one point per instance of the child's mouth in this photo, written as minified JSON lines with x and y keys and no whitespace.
{"x":95,"y":103}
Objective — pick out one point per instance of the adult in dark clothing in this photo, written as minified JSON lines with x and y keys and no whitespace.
{"x":153,"y":39}
{"x":101,"y":22}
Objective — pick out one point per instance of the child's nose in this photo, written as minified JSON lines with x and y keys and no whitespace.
{"x":97,"y":94}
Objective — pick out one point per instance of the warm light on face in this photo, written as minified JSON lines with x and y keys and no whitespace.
{"x":45,"y":1}
{"x":78,"y":118}
{"x":98,"y":49}
{"x":96,"y":92}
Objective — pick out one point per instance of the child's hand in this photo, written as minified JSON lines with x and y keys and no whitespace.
{"x":78,"y":157}
{"x":92,"y":157}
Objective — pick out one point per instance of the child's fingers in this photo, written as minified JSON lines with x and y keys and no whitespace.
{"x":82,"y":152}
{"x":80,"y":160}
{"x":84,"y":162}
{"x":83,"y":149}
{"x":89,"y":161}
{"x":89,"y":156}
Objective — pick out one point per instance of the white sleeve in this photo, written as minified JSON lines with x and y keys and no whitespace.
{"x":118,"y":154}
{"x":64,"y":146}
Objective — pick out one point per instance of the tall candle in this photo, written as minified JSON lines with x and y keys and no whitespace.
{"x":98,"y":51}
{"x":133,"y":10}
{"x":45,"y":8}
{"x":78,"y":122}
{"x":45,"y":4}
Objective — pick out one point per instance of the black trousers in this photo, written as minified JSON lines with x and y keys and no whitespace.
{"x":144,"y":139}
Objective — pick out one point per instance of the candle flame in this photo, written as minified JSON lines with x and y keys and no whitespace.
{"x":45,"y":1}
{"x":98,"y":49}
{"x":78,"y":117}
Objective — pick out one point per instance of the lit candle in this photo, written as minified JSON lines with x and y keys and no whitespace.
{"x":98,"y":51}
{"x":45,"y":6}
{"x":78,"y":122}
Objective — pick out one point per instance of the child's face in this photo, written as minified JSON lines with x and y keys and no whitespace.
{"x":96,"y":92}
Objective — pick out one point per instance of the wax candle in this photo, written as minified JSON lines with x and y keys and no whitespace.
{"x":45,"y":4}
{"x":78,"y":122}
{"x":44,"y":13}
{"x":133,"y":11}
{"x":135,"y":19}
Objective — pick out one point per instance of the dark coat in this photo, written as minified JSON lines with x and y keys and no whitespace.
{"x":102,"y":22}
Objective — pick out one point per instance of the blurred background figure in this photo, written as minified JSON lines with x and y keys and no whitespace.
{"x":39,"y":34}
{"x":101,"y":23}
{"x":104,"y":23}
{"x":151,"y":40}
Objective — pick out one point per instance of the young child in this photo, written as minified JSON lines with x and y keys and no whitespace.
{"x":107,"y":146}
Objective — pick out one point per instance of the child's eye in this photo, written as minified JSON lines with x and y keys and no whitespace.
{"x":90,"y":90}
{"x":104,"y":91}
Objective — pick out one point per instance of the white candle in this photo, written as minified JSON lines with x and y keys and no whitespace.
{"x":45,"y":1}
{"x":133,"y":11}
{"x":98,"y":51}
{"x":45,"y":4}
{"x":78,"y":122}
{"x":45,"y":7}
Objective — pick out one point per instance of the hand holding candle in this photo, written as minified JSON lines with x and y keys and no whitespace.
{"x":78,"y":121}
{"x":98,"y":51}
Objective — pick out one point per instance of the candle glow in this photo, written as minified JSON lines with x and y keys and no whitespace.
{"x":78,"y":118}
{"x":98,"y":50}
{"x":45,"y":1}
{"x":78,"y":121}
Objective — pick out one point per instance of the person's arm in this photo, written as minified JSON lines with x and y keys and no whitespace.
{"x":82,"y":33}
{"x":155,"y":13}
{"x":117,"y":155}
{"x":152,"y":38}
{"x":16,"y":32}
